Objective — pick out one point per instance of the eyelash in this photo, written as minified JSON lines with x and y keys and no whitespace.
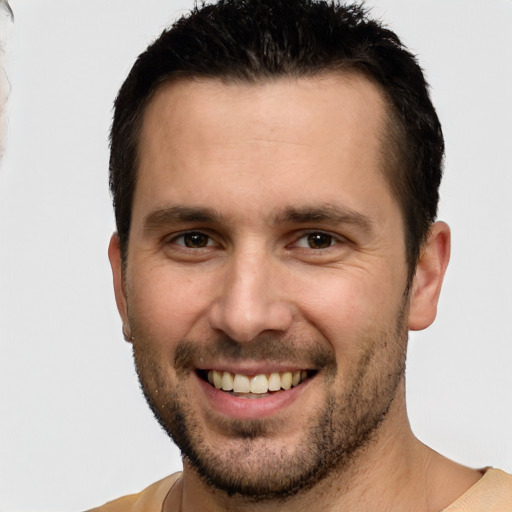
{"x":190,"y":234}
{"x":329,"y":239}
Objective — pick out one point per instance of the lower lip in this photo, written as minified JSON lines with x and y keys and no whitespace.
{"x":251,"y":408}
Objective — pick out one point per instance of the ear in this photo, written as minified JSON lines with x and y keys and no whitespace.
{"x":114,"y":255}
{"x":426,"y":285}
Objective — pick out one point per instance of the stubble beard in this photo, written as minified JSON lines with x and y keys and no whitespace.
{"x":249,"y":465}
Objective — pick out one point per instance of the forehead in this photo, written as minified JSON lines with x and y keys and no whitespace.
{"x":305,"y":107}
{"x":318,"y":133}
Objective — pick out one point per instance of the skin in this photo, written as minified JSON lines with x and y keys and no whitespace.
{"x":252,"y":154}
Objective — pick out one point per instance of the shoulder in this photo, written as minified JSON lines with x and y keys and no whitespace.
{"x":149,"y":500}
{"x":492,"y":493}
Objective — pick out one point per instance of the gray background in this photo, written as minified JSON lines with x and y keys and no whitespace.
{"x":74,"y":428}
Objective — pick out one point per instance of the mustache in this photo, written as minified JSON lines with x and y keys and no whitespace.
{"x":266,"y":347}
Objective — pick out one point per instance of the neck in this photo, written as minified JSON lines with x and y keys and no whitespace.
{"x":394,"y":470}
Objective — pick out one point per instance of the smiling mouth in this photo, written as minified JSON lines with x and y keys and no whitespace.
{"x":254,"y":386}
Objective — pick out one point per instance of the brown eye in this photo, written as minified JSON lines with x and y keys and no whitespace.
{"x":196,"y":240}
{"x":319,"y":240}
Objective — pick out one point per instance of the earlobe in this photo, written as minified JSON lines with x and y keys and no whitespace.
{"x":428,"y":279}
{"x":114,"y":255}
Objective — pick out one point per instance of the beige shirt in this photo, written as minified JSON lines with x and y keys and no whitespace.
{"x":150,"y":499}
{"x":492,"y":493}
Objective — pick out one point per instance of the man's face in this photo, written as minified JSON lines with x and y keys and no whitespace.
{"x":265,"y":241}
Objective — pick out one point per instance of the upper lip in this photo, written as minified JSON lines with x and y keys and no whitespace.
{"x":253,"y":368}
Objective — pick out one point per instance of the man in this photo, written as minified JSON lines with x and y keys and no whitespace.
{"x":275,"y":167}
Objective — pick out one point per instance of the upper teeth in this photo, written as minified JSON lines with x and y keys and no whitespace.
{"x":262,"y":383}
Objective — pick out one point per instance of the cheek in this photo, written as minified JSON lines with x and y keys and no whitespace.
{"x":166,"y":304}
{"x":346,"y":307}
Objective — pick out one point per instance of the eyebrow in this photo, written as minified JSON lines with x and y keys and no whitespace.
{"x":181,"y":213}
{"x":329,"y":213}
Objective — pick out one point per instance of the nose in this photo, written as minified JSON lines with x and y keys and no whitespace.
{"x":250,"y":299}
